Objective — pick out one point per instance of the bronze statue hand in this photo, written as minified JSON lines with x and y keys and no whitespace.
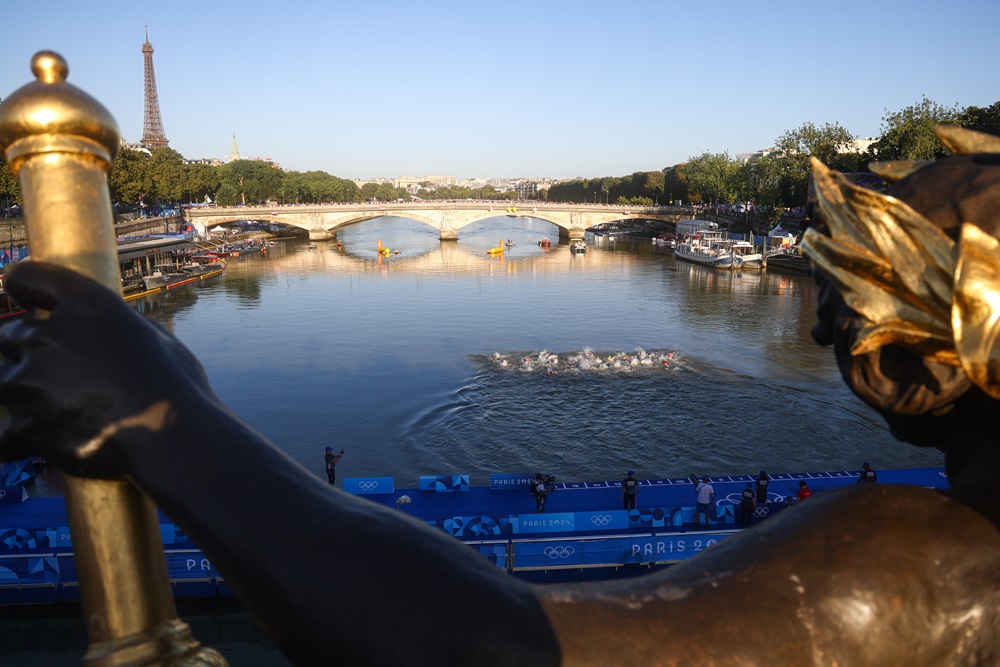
{"x":86,"y":384}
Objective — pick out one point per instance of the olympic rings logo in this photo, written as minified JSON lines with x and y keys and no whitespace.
{"x":368,"y":486}
{"x":761,"y":512}
{"x":601,"y":520}
{"x":559,"y":551}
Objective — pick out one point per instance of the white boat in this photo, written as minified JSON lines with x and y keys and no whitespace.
{"x":710,"y":248}
{"x":577,"y":246}
{"x":752,"y":258}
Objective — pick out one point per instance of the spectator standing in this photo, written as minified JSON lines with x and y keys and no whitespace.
{"x":705,"y":497}
{"x":760,"y":487}
{"x":331,"y":464}
{"x":630,"y":490}
{"x":748,"y":504}
{"x":804,"y":491}
{"x":867,"y":476}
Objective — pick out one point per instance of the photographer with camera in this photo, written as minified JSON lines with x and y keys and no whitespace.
{"x":540,"y":489}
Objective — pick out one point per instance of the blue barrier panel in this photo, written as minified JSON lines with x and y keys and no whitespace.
{"x":545,"y":523}
{"x":609,"y":520}
{"x":367,"y":486}
{"x":19,"y":540}
{"x":189,"y":565}
{"x":69,"y":590}
{"x":671,"y":547}
{"x":504,"y":482}
{"x":613,"y":551}
{"x":444,"y":483}
{"x":653,"y":517}
{"x":29,"y":570}
{"x":475,"y":526}
{"x":13,"y":494}
{"x":554,"y":553}
{"x":495,"y":553}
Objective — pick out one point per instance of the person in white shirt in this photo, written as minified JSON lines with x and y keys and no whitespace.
{"x":706,"y":496}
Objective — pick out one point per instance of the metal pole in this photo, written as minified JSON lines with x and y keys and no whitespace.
{"x":60,"y":142}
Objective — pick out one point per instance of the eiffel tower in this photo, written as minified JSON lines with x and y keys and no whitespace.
{"x":153,"y":136}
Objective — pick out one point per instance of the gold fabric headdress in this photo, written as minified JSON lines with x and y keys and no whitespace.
{"x":911,"y":284}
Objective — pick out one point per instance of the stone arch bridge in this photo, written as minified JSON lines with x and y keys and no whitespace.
{"x":323,"y":220}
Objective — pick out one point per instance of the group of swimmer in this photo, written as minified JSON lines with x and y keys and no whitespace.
{"x":588,"y":360}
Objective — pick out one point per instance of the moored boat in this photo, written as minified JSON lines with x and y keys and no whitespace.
{"x":709,"y":248}
{"x":164,"y":275}
{"x":666,"y":241}
{"x":788,"y":259}
{"x":750,"y":256}
{"x":170,"y":276}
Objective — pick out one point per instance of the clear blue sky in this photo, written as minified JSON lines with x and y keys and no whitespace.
{"x":545,"y":88}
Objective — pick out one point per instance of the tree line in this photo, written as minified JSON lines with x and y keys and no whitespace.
{"x":777,"y":180}
{"x":770,"y":182}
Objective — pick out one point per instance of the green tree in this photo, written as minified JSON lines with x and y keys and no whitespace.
{"x":908,"y":134}
{"x":760,"y":180}
{"x":167,"y":174}
{"x":253,"y":180}
{"x":385,"y":192}
{"x":712,"y":178}
{"x":675,"y":186}
{"x":10,"y":192}
{"x":130,"y":176}
{"x":830,"y":143}
{"x":201,"y":180}
{"x":981,"y":120}
{"x":227,"y":195}
{"x":826,"y":143}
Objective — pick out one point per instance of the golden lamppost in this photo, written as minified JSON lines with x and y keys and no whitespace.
{"x":60,"y":142}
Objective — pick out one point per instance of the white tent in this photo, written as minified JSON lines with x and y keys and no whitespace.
{"x":780,"y":236}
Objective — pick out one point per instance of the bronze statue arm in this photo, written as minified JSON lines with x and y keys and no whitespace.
{"x":330,"y":576}
{"x":841,"y":580}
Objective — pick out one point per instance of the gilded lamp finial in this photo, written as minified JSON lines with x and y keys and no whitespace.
{"x":49,"y":67}
{"x":50,"y":115}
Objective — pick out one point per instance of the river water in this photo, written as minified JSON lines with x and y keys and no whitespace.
{"x":400,"y":360}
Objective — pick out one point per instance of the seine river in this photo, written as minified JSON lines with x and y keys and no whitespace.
{"x":414,"y":364}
